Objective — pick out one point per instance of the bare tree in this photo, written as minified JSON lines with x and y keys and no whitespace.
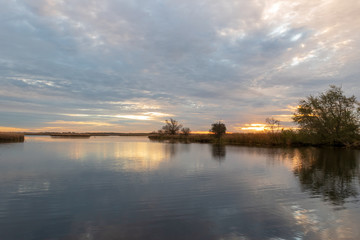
{"x":171,"y":127}
{"x":185,"y":131}
{"x":273,"y":124}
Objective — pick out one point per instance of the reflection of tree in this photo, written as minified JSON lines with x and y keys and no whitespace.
{"x":171,"y":149}
{"x":328,"y":172}
{"x":218,"y":152}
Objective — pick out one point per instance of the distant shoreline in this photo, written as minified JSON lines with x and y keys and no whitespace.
{"x":249,"y":139}
{"x":265,"y":139}
{"x":12,"y":137}
{"x":84,"y":134}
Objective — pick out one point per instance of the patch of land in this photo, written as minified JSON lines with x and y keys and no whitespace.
{"x":11,"y":137}
{"x":263,"y":139}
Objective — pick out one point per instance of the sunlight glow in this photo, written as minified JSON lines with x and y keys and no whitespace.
{"x":61,"y":122}
{"x":201,"y":132}
{"x":131,"y":157}
{"x":158,"y":114}
{"x":12,"y":129}
{"x":254,"y":127}
{"x":134,"y":117}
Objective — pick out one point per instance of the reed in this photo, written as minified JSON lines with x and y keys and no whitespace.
{"x":201,"y":138}
{"x":282,"y":138}
{"x":11,"y":137}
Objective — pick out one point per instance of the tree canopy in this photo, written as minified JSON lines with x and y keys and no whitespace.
{"x":331,"y":116}
{"x":218,"y":129}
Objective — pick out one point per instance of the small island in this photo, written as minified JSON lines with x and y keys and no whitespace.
{"x":11,"y":137}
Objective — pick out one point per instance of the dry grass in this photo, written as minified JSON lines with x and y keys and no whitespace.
{"x":283,"y":138}
{"x":11,"y":137}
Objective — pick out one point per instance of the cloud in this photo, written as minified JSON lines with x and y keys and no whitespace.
{"x":12,"y":129}
{"x":61,"y":122}
{"x":196,"y":61}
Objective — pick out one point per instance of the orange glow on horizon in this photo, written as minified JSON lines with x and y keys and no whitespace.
{"x":200,"y":132}
{"x":12,"y":129}
{"x":257,"y":127}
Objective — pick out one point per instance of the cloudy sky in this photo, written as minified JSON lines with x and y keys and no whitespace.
{"x":127,"y":65}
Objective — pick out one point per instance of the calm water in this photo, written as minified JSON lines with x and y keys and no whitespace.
{"x":131,"y":188}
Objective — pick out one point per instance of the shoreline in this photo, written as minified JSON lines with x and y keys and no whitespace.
{"x":83,"y":134}
{"x":11,"y":137}
{"x":250,"y":139}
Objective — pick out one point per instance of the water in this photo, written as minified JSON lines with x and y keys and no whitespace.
{"x":131,"y":188}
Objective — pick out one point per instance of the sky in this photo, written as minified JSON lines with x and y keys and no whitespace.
{"x":128,"y":65}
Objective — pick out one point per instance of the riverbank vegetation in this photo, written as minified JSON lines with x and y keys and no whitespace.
{"x":282,"y":138}
{"x":329,"y":119}
{"x":11,"y":137}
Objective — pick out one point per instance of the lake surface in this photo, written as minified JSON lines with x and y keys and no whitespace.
{"x":132,"y":188}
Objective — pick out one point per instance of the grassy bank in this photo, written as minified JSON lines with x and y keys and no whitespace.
{"x":248,"y":139}
{"x":200,"y":138}
{"x":282,"y":138}
{"x":11,"y":137}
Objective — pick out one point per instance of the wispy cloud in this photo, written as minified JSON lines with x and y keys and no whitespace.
{"x":61,"y":123}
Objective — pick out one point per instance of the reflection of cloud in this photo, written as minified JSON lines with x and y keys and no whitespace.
{"x":126,"y":156}
{"x":306,"y":218}
{"x":29,"y":187}
{"x":141,"y":157}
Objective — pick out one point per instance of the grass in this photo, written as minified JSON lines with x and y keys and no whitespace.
{"x":11,"y":137}
{"x":280,"y":138}
{"x":202,"y":138}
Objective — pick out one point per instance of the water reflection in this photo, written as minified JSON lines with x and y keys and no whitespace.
{"x":328,"y":172}
{"x":331,"y":174}
{"x":112,"y":188}
{"x":131,"y":154}
{"x":218,"y":152}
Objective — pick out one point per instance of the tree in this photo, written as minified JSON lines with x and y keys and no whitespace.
{"x":331,"y":116}
{"x":185,"y":131}
{"x":218,"y":129}
{"x":272,"y":124}
{"x":171,"y":127}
